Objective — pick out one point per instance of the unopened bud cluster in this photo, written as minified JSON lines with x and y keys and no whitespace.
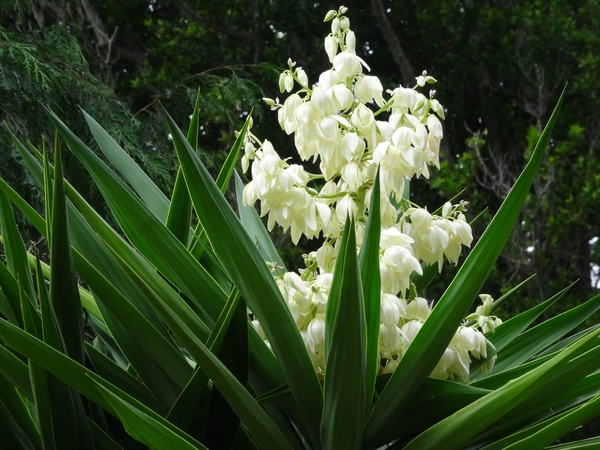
{"x":344,"y":123}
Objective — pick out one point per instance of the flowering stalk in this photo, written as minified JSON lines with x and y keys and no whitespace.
{"x":334,"y":123}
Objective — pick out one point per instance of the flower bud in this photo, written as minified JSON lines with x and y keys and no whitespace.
{"x":330,"y":48}
{"x":245,"y":164}
{"x":363,"y":119}
{"x":336,"y":26}
{"x":488,"y":303}
{"x":352,"y":175}
{"x":350,"y":42}
{"x":282,"y":82}
{"x":288,"y":83}
{"x":447,"y":209}
{"x":326,"y":257}
{"x":316,"y":330}
{"x":330,"y":15}
{"x":301,"y":74}
{"x":345,"y":23}
{"x":269,"y":101}
{"x":346,"y":207}
{"x":437,"y":108}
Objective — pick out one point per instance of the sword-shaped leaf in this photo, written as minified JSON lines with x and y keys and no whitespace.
{"x":248,"y":271}
{"x":344,"y":409}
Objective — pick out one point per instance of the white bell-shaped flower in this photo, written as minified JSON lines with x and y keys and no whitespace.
{"x":418,"y":308}
{"x":396,"y":265}
{"x":342,"y":97}
{"x":326,"y":257}
{"x":368,"y":88}
{"x":347,"y":64}
{"x":331,"y":47}
{"x":346,"y":207}
{"x":316,"y":330}
{"x":389,"y":337}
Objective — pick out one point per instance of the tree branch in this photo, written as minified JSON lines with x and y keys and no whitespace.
{"x":406,"y":70}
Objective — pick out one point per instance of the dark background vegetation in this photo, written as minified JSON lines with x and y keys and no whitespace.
{"x":500,"y":66}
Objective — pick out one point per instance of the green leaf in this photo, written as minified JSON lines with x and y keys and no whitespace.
{"x":179,"y":218}
{"x":60,"y":399}
{"x":16,"y":372}
{"x":550,"y":395}
{"x":69,"y":371}
{"x":435,"y":402}
{"x":371,"y":284}
{"x":36,"y":220}
{"x":12,"y":434}
{"x":16,"y":254}
{"x":246,"y":268}
{"x":223,"y":424}
{"x":590,"y":444}
{"x":40,"y":384}
{"x":48,"y":187}
{"x":335,"y":292}
{"x":21,"y":421}
{"x":431,"y":341}
{"x":228,"y":167}
{"x":182,"y":322}
{"x":344,"y":409}
{"x":223,"y":179}
{"x":498,"y":302}
{"x":102,"y":440}
{"x":183,"y":411}
{"x":544,"y":334}
{"x":110,"y":371}
{"x":9,"y":296}
{"x":150,"y":194}
{"x":457,"y":430}
{"x":523,"y":433}
{"x":145,"y":428}
{"x":65,"y":306}
{"x":170,"y":372}
{"x":148,"y":233}
{"x":64,"y":295}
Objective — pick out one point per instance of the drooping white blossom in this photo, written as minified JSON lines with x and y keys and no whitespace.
{"x":350,"y":129}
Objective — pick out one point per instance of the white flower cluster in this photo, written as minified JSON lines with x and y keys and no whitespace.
{"x":338,"y":122}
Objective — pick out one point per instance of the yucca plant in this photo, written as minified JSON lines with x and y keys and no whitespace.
{"x":173,"y":360}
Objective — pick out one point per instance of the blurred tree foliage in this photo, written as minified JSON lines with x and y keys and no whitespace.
{"x":500,"y":67}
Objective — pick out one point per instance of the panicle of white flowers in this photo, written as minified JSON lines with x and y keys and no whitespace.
{"x":344,"y":123}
